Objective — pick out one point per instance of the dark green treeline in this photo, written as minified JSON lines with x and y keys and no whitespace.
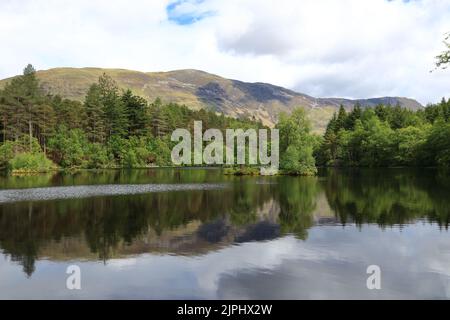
{"x":387,"y":136}
{"x":114,"y":128}
{"x":111,"y":128}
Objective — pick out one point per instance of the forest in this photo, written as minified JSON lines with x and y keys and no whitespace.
{"x":115,"y":128}
{"x":110,"y":129}
{"x":387,"y":136}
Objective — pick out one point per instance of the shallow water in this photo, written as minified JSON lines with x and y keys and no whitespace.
{"x":197,"y":234}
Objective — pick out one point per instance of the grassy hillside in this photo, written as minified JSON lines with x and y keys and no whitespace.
{"x":198,"y":89}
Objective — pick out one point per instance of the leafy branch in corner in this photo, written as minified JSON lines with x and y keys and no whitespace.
{"x":443,"y":60}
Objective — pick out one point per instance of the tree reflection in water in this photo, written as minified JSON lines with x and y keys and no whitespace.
{"x":195,"y":222}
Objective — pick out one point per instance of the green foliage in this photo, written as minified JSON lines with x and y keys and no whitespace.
{"x":71,"y":149}
{"x":25,"y":110}
{"x":327,"y":152}
{"x":443,"y":59}
{"x":139,"y":152}
{"x":341,"y":119}
{"x":136,"y":110}
{"x":388,"y":136}
{"x":95,"y":126}
{"x":6,"y":154}
{"x":68,"y":147}
{"x":437,"y":145}
{"x":376,"y":147}
{"x":116,"y":121}
{"x":298,"y":161}
{"x":110,"y":129}
{"x":435,"y":112}
{"x":296,"y":144}
{"x":97,"y":156}
{"x":409,"y":141}
{"x":133,"y":152}
{"x":120,"y":129}
{"x":31,"y":162}
{"x":354,"y":115}
{"x":9,"y":149}
{"x":69,"y":113}
{"x":161,"y":152}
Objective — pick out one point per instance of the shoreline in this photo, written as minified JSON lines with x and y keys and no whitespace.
{"x":228,"y":171}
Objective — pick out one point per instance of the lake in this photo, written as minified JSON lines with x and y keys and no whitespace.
{"x":198,"y":234}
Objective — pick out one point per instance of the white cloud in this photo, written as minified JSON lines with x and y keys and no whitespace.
{"x":348,"y":48}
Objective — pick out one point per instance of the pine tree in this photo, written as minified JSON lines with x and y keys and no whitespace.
{"x":381,"y":112}
{"x":69,"y":113}
{"x":341,"y":119}
{"x":397,"y":118}
{"x":329,"y":147}
{"x":444,"y":106}
{"x":116,"y":118}
{"x":95,"y":115}
{"x":354,"y":115}
{"x":6,"y":115}
{"x":45,"y":124}
{"x":136,"y":109}
{"x":30,"y":95}
{"x":21,"y":98}
{"x":446,"y":111}
{"x":158,"y":119}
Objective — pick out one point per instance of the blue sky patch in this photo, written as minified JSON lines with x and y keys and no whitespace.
{"x":186,"y":18}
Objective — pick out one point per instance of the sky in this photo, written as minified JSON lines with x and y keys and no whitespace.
{"x":326,"y":48}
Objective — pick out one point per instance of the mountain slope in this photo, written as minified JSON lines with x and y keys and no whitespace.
{"x":198,"y":89}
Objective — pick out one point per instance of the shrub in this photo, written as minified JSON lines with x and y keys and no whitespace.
{"x":31,"y":162}
{"x":131,"y":153}
{"x":11,"y":148}
{"x":98,"y":157}
{"x":6,"y":154}
{"x":299,"y":161}
{"x":161,"y":152}
{"x":138,"y":152}
{"x":68,"y":147}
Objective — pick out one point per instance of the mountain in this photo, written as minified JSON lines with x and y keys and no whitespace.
{"x":348,"y":103}
{"x":198,"y":89}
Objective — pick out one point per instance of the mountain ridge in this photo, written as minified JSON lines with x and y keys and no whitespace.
{"x":199,"y":89}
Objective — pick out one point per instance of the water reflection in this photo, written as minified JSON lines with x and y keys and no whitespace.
{"x":197,"y":222}
{"x":388,"y":197}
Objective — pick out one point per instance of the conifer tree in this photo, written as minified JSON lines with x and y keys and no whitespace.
{"x":341,"y":119}
{"x":354,"y":115}
{"x":381,"y":112}
{"x":95,"y":115}
{"x":136,"y":109}
{"x":116,"y":121}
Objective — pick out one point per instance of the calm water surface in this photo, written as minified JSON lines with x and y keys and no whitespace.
{"x":197,"y":234}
